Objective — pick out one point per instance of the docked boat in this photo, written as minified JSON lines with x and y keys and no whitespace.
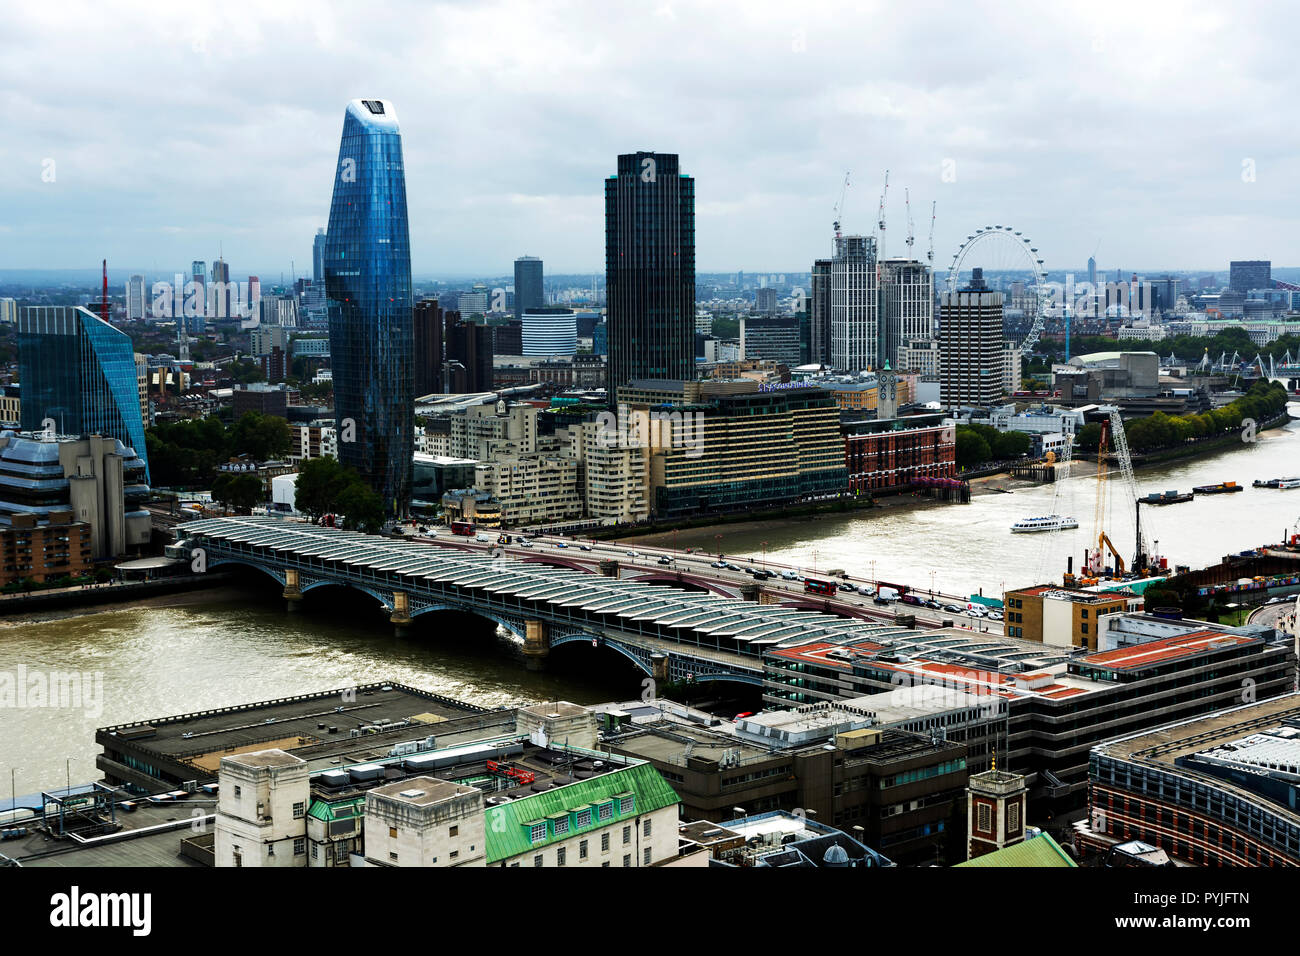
{"x":1167,"y":498}
{"x":1045,"y":523}
{"x":1221,"y":488}
{"x":1279,"y":483}
{"x":1271,"y":483}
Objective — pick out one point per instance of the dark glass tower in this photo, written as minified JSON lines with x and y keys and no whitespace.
{"x":428,"y":347}
{"x":528,"y":285}
{"x":79,"y":371}
{"x":367,"y":266}
{"x":468,"y":347}
{"x":650,"y":270}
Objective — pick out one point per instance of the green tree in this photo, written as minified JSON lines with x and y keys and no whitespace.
{"x":320,"y":481}
{"x":1089,"y":437}
{"x":362,"y":508}
{"x":972,"y":449}
{"x":1009,"y":445}
{"x":261,"y":437}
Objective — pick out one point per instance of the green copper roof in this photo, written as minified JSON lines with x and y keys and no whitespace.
{"x":329,"y":811}
{"x":508,"y":825}
{"x":1039,"y":852}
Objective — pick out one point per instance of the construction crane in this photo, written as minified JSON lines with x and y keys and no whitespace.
{"x":930,"y":254}
{"x":839,"y":209}
{"x":1112,"y":432}
{"x":880,"y":216}
{"x":907,"y":205}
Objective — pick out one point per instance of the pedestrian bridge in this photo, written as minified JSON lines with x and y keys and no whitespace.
{"x":669,"y":633}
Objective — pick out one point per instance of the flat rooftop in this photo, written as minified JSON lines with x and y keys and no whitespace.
{"x":133,"y":845}
{"x":1139,"y":657}
{"x":388,"y":710}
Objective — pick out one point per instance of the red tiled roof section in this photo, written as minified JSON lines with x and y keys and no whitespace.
{"x":1171,"y":648}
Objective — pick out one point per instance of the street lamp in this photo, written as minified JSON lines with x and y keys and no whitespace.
{"x":717,"y":539}
{"x":932,"y":585}
{"x":764,"y":555}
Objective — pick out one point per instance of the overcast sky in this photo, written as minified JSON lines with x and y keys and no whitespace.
{"x":151,"y":134}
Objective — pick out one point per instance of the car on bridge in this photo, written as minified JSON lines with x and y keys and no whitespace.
{"x":845,"y":586}
{"x":560,"y":544}
{"x":632,"y":554}
{"x":584,"y":547}
{"x":665,"y":560}
{"x":718,"y":564}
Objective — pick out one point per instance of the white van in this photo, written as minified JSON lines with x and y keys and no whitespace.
{"x":888,"y":594}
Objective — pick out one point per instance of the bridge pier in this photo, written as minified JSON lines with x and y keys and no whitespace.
{"x":401,"y":616}
{"x":749,"y":592}
{"x":608,"y":568}
{"x":537,"y":645}
{"x":292,"y":594}
{"x":659,"y":667}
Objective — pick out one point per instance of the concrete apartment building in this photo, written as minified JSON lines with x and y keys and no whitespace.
{"x":532,"y":490}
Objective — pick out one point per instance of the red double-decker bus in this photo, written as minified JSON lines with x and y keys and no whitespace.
{"x":465,"y":528}
{"x":813,"y":586}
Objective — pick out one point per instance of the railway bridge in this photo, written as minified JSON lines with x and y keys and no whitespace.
{"x":669,"y":633}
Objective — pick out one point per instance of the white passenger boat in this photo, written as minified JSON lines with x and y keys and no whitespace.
{"x":1046,"y":523}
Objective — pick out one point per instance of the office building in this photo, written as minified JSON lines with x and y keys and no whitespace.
{"x":731,"y":447}
{"x":765,"y":301}
{"x":468,"y":349}
{"x":855,"y":306}
{"x":137,"y":304}
{"x":1247,"y":274}
{"x":428,"y":320}
{"x":1061,"y":701}
{"x":1063,"y":617}
{"x":549,"y":331}
{"x":1217,"y":790}
{"x":907,"y":306}
{"x":318,"y":259}
{"x":199,"y":278}
{"x":774,"y":339}
{"x":368,"y":284}
{"x":79,"y":372}
{"x":649,"y":270}
{"x":528,"y":285}
{"x":819,"y":316}
{"x":894,"y":453}
{"x":8,"y":311}
{"x":97,"y":480}
{"x":970,"y":345}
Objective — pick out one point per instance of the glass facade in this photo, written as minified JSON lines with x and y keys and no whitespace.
{"x":650,"y":270}
{"x":367,"y":266}
{"x":79,"y":371}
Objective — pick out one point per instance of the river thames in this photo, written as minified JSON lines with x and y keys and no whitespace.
{"x":213,"y":649}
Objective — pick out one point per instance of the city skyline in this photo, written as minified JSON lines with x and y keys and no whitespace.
{"x":991,"y":138}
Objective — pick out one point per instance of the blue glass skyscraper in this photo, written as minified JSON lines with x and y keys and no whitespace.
{"x":367,"y":265}
{"x":78,"y":371}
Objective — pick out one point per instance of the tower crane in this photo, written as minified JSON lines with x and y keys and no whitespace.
{"x":880,"y":216}
{"x":930,"y":254}
{"x":907,"y":204}
{"x":839,"y":207}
